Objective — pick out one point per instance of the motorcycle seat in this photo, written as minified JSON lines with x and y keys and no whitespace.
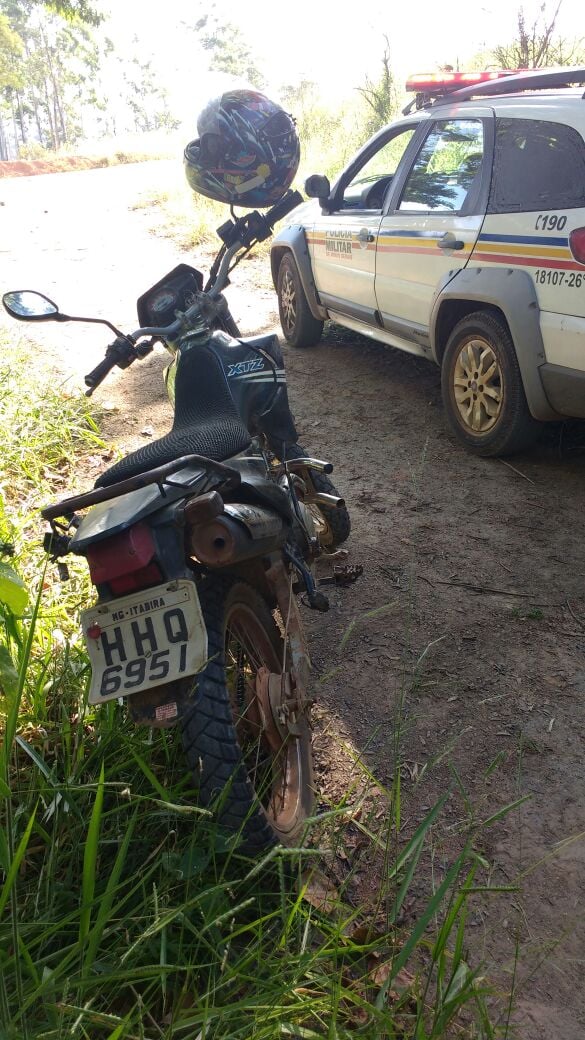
{"x":206,"y":420}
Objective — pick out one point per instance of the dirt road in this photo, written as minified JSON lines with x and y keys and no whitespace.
{"x":479,"y":658}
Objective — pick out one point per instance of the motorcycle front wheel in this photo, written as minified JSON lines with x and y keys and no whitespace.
{"x":244,"y":761}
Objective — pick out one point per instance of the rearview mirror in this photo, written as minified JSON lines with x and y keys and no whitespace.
{"x":27,"y":305}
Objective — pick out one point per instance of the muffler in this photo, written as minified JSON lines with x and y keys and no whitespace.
{"x":239,"y":533}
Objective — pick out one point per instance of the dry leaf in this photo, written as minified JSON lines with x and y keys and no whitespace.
{"x":401,"y":982}
{"x":319,"y":891}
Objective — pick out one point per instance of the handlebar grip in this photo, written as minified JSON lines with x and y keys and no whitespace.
{"x":290,"y":201}
{"x":99,"y":373}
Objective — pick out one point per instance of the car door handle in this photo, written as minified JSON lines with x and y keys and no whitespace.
{"x":366,"y":236}
{"x":448,"y":241}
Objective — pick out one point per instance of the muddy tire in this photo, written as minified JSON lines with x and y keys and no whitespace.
{"x":260,"y":783}
{"x":337,"y":522}
{"x":300,"y":328}
{"x":482,"y":388}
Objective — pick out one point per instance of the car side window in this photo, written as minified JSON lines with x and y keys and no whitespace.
{"x":446,"y":169}
{"x":369,"y":186}
{"x":539,"y":165}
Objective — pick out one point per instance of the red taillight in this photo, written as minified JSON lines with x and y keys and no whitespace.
{"x":150,"y":575}
{"x":577,"y":244}
{"x":125,"y":561}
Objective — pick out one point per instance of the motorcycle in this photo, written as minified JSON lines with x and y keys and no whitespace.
{"x":198,"y":545}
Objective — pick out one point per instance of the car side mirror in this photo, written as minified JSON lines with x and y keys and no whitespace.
{"x":27,"y":305}
{"x":318,"y":187}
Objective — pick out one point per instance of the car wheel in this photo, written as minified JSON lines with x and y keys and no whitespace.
{"x":482,"y":388}
{"x":300,"y":327}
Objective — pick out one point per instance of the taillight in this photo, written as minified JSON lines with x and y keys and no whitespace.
{"x":142,"y":579}
{"x":577,"y":244}
{"x":126,"y":561}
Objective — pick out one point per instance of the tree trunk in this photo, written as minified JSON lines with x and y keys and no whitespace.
{"x":21,"y":116}
{"x":37,"y":119}
{"x":14,"y":128}
{"x":3,"y":144}
{"x":50,"y":116}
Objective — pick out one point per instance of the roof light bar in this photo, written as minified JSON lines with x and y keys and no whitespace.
{"x":438,"y":83}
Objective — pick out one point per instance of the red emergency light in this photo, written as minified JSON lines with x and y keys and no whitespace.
{"x":438,"y":83}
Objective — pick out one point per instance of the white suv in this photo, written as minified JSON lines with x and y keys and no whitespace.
{"x":458,"y":233}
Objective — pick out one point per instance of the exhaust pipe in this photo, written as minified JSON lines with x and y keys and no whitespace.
{"x":320,"y":498}
{"x":239,"y":533}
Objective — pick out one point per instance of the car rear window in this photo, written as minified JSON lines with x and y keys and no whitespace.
{"x":538,"y":165}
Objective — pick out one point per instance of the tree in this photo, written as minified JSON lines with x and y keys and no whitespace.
{"x":536,"y":46}
{"x":52,"y":75}
{"x":11,"y":48}
{"x":229,"y":49}
{"x":380,"y":94}
{"x":147,"y":101}
{"x":73,"y":9}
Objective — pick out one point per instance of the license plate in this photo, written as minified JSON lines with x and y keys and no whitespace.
{"x":152,"y":637}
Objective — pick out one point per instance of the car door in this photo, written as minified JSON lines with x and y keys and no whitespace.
{"x":432,"y":222}
{"x":343,"y":241}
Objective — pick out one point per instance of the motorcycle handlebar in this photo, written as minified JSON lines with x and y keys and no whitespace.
{"x":290,"y":201}
{"x":98,"y":374}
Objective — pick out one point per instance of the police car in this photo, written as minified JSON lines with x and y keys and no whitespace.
{"x":458,"y":233}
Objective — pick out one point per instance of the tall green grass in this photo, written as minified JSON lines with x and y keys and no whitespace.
{"x":125,"y":912}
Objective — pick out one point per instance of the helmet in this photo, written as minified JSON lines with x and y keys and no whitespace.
{"x":247,"y":152}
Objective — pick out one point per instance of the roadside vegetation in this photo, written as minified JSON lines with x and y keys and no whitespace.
{"x":124,"y":911}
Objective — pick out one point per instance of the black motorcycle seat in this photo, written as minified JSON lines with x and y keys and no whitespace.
{"x":206,"y":420}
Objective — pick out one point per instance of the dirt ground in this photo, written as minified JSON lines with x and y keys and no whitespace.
{"x":479,"y":657}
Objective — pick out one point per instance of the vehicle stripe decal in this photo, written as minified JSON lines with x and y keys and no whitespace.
{"x":537,"y":240}
{"x":513,"y":260}
{"x":512,"y":250}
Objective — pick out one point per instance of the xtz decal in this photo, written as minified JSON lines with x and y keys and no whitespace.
{"x":338,"y":244}
{"x":242,"y":368}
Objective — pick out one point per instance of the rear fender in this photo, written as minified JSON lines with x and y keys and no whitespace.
{"x":512,"y":293}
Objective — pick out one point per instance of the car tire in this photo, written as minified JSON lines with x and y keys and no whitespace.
{"x":482,"y":388}
{"x":299,"y":326}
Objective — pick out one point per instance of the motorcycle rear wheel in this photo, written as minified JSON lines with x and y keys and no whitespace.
{"x":259,"y":777}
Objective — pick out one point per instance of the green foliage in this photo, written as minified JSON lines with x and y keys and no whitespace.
{"x":229,"y":50}
{"x":73,"y":9}
{"x":536,"y":45}
{"x":380,"y":95}
{"x":13,"y":593}
{"x":146,"y":99}
{"x":53,"y":73}
{"x":11,"y":47}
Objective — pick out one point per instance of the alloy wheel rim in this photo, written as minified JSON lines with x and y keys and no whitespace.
{"x":288,"y":301}
{"x":478,"y":386}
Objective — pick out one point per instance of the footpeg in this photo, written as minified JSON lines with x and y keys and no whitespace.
{"x":343,"y":575}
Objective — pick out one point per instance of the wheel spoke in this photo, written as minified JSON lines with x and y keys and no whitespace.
{"x":494,"y":392}
{"x":476,"y":416}
{"x":477,"y":385}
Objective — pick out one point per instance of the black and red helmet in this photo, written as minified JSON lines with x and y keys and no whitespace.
{"x":247,"y":152}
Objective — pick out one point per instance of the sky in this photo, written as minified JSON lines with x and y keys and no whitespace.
{"x":336,"y":44}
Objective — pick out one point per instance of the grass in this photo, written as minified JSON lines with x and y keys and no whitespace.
{"x":188,"y":219}
{"x":126,"y":913}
